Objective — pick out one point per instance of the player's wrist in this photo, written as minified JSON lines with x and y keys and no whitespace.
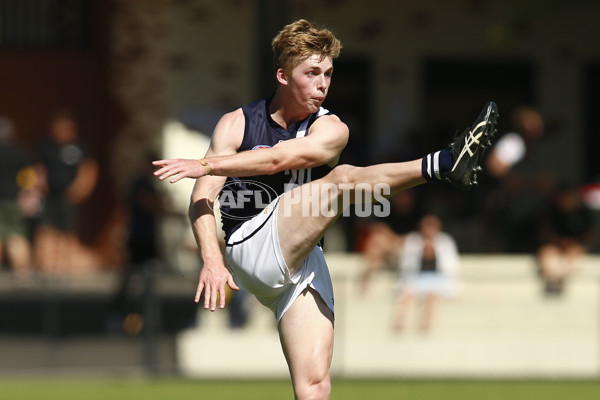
{"x":206,"y":165}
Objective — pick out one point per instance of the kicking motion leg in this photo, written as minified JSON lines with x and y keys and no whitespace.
{"x":300,"y":228}
{"x":306,"y":329}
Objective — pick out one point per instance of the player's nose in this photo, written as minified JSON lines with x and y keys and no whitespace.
{"x":323,"y":83}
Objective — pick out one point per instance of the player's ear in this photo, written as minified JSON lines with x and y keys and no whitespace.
{"x":281,"y":76}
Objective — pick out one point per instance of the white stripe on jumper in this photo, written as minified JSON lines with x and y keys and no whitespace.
{"x":303,"y":127}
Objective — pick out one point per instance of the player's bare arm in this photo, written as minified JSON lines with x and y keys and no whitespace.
{"x":326,"y":139}
{"x":214,"y":274}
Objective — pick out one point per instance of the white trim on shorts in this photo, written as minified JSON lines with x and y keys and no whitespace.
{"x":254,"y":255}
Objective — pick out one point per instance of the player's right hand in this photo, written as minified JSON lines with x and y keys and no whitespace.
{"x":180,"y":168}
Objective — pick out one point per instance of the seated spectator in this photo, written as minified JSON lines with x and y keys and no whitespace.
{"x":71,"y":176}
{"x":428,"y":269}
{"x":17,"y":200}
{"x":383,"y":238}
{"x":566,"y":233}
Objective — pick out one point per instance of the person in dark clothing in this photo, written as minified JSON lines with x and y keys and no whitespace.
{"x":145,"y":205}
{"x":71,"y":176}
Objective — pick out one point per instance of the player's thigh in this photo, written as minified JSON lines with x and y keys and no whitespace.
{"x":304,"y":215}
{"x":306,"y":332}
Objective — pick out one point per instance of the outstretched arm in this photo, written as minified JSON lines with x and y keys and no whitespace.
{"x":326,"y":139}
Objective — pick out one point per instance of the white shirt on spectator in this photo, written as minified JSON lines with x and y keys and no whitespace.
{"x":510,"y":149}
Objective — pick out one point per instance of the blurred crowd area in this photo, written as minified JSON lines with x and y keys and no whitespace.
{"x":42,"y":188}
{"x":519,"y":207}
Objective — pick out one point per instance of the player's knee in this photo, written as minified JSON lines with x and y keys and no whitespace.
{"x":342,"y":173}
{"x":317,"y":388}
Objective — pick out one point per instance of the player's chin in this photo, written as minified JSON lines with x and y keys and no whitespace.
{"x":314,"y":106}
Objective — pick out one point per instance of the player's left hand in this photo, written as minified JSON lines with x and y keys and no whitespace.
{"x":180,"y":168}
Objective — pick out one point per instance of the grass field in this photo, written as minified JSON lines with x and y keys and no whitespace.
{"x":22,"y":389}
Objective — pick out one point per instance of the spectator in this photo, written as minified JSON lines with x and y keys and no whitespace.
{"x":428,"y":269}
{"x":71,"y":176}
{"x":522,"y":187}
{"x":514,"y":146}
{"x":566,"y":233}
{"x":382,"y":239}
{"x":145,"y":206}
{"x":17,"y":199}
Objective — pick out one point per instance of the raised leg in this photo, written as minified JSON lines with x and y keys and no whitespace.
{"x":300,"y":226}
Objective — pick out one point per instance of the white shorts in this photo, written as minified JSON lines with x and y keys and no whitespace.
{"x":257,"y":264}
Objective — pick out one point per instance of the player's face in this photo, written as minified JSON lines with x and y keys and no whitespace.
{"x":310,"y":81}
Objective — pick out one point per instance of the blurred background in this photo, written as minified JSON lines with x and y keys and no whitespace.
{"x":99,"y":265}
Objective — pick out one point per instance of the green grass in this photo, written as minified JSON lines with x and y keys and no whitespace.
{"x":115,"y":389}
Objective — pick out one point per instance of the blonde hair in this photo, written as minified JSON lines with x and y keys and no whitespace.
{"x":301,"y":39}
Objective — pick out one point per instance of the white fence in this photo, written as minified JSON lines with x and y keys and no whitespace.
{"x":500,"y":325}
